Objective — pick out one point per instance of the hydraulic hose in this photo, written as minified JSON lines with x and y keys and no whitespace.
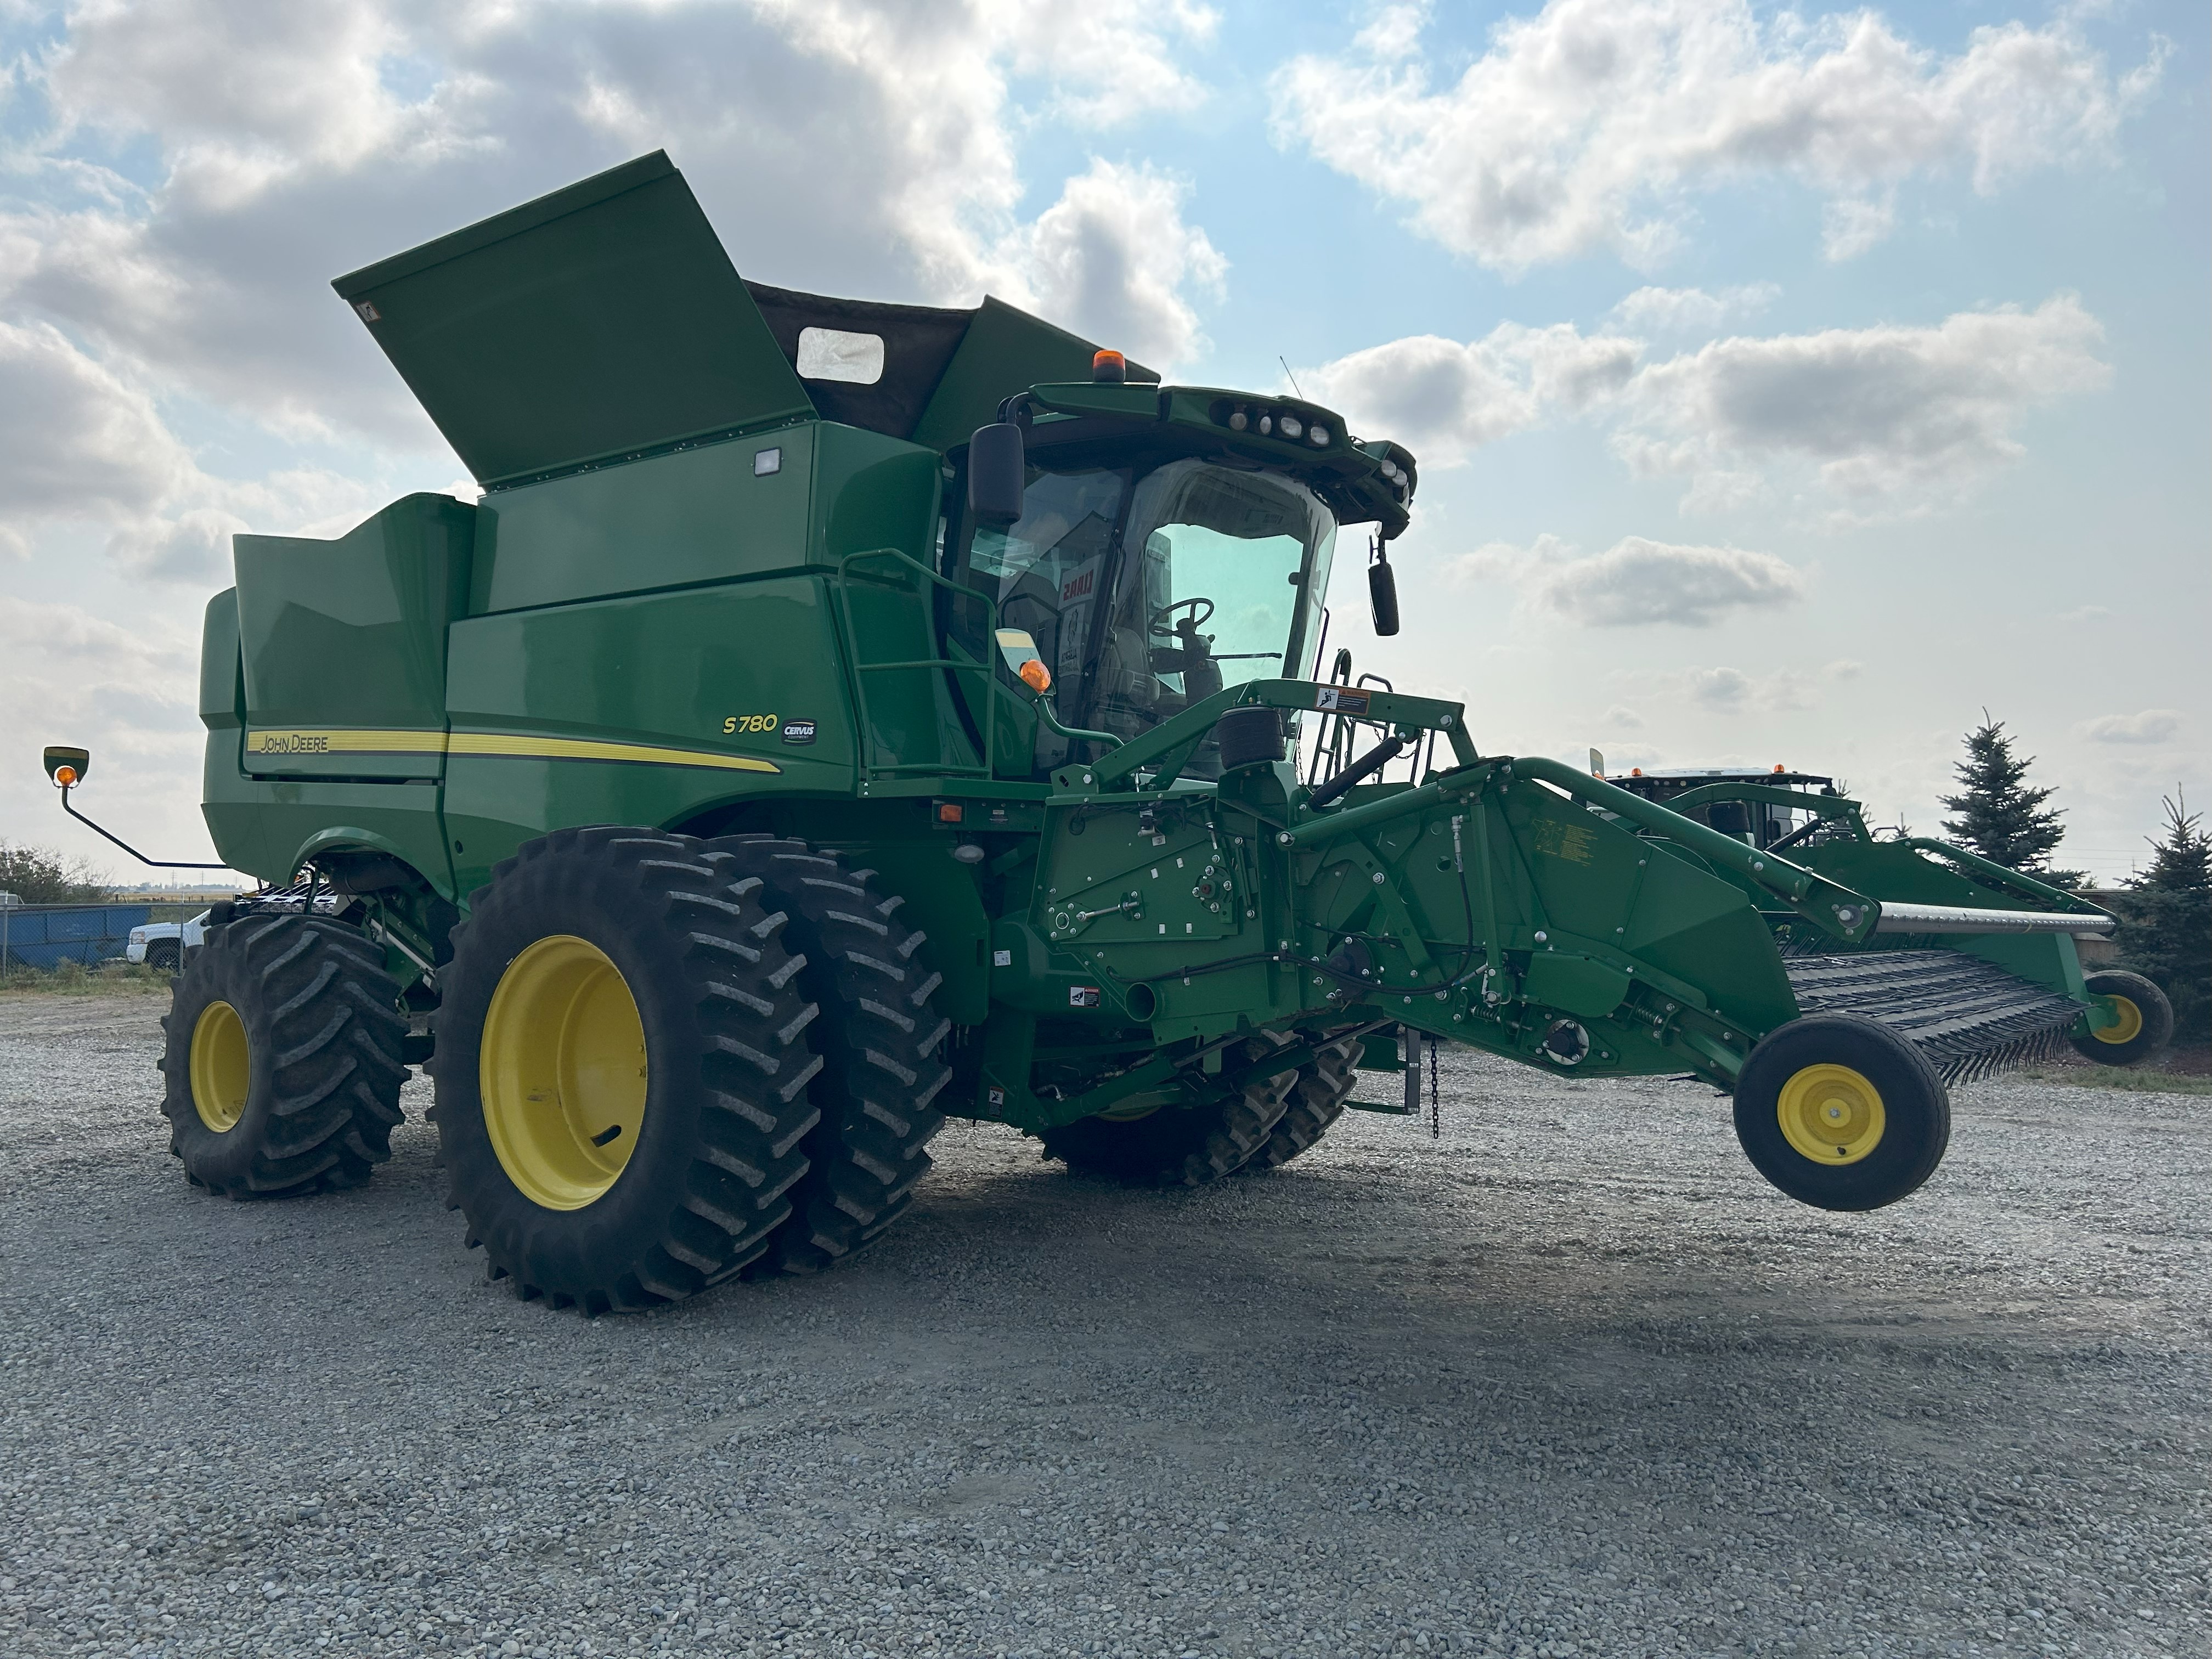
{"x":1365,"y":767}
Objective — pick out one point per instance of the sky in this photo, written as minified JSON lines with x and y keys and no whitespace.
{"x":1789,"y":386}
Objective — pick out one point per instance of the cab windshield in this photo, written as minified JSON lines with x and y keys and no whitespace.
{"x":1147,"y":591}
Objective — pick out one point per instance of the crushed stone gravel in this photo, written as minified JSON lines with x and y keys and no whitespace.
{"x":1570,"y":1381}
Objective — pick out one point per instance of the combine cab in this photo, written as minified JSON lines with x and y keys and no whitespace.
{"x":833,"y":716}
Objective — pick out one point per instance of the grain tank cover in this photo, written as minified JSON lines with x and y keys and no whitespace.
{"x":599,"y":321}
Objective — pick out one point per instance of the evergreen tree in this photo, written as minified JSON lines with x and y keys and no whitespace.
{"x":2165,"y":920}
{"x":1999,"y":815}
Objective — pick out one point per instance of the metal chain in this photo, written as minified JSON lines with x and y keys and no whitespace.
{"x":1435,"y":1096}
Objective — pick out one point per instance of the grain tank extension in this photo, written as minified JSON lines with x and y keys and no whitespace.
{"x":834,"y":716}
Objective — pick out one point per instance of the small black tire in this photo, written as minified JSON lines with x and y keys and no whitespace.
{"x":1855,"y":1093}
{"x":717,"y":1106}
{"x":165,"y":956}
{"x":295,"y":1029}
{"x":2146,"y":1020}
{"x":1178,"y":1145}
{"x":881,"y":1040}
{"x":1325,"y":1083}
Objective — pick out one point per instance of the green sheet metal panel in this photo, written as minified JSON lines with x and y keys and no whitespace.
{"x":268,"y":827}
{"x":601,"y":320}
{"x":344,"y":642}
{"x":1004,"y":350}
{"x":644,"y":709}
{"x":222,"y":693}
{"x":706,"y":514}
{"x":700,"y":515}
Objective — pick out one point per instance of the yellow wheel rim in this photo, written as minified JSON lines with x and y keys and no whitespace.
{"x":562,"y":1073}
{"x":2128,"y":1022}
{"x":222,"y":1070}
{"x":1831,"y":1113}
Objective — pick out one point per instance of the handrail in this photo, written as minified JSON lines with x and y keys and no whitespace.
{"x":1351,"y":819}
{"x":1297,"y":696}
{"x":1050,"y":716}
{"x":2012,"y":879}
{"x":953,"y":665}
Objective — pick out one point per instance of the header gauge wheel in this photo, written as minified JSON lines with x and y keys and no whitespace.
{"x":2142,"y":1020}
{"x":1842,"y":1112}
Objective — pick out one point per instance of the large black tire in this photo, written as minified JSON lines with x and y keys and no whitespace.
{"x":1325,"y":1083}
{"x":1181,"y":1145}
{"x":716,"y":1138}
{"x":296,"y":1028}
{"x":880,"y":1035}
{"x":2146,"y":1020}
{"x":1842,"y":1112}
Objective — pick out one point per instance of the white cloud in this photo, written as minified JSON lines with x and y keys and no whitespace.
{"x":76,"y":440}
{"x":238,"y":91}
{"x":1889,"y":418}
{"x":1850,"y":225}
{"x":1112,"y":259}
{"x":2151,"y":726}
{"x":1638,"y":582}
{"x":852,"y":146}
{"x":129,"y":694}
{"x":1113,"y":60}
{"x":1879,"y":413}
{"x":1691,"y":310}
{"x":1591,"y":125}
{"x":1725,"y":690}
{"x":1443,"y":398}
{"x":80,"y":445}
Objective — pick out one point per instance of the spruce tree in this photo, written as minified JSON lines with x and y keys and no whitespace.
{"x":2165,"y":920}
{"x":1999,"y":815}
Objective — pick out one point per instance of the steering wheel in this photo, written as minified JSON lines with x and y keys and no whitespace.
{"x":1188,"y":624}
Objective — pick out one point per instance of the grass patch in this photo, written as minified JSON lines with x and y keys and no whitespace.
{"x":73,"y":979}
{"x":2127,"y":1079}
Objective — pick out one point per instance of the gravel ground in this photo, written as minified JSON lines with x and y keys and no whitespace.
{"x":1570,"y":1381}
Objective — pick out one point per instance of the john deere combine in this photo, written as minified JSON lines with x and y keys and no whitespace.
{"x":837,"y":715}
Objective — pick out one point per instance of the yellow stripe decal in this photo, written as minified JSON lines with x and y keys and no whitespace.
{"x":488,"y":743}
{"x":363,"y":742}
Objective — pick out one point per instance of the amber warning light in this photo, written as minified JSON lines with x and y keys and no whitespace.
{"x":1110,"y":366}
{"x":67,"y":767}
{"x":1036,"y":676}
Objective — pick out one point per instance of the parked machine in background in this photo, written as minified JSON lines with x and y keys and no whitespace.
{"x":834,"y":716}
{"x":161,"y":944}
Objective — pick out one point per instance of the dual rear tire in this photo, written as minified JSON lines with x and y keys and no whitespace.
{"x":665,"y":1062}
{"x":282,"y":1058}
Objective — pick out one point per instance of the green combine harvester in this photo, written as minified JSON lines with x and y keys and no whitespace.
{"x":836,"y":716}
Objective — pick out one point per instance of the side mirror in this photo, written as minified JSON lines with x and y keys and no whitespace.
{"x":67,"y":766}
{"x":1383,"y":593}
{"x":997,"y":474}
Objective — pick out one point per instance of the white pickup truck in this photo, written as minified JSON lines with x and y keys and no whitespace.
{"x":163,"y":944}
